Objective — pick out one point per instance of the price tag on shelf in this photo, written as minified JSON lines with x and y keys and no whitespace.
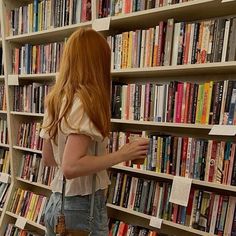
{"x":228,"y":1}
{"x":20,"y":222}
{"x":13,"y":80}
{"x":227,"y":130}
{"x":155,"y":222}
{"x":180,"y":190}
{"x":4,"y":178}
{"x":102,"y":24}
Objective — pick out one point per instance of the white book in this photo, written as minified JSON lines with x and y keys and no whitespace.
{"x":226,"y":39}
{"x":176,"y":39}
{"x":230,"y":216}
{"x":116,"y":187}
{"x":188,"y":159}
{"x":131,"y":102}
{"x":44,"y":201}
{"x":191,"y":44}
{"x":214,"y":214}
{"x":71,"y":12}
{"x":132,"y":193}
{"x":143,"y":44}
{"x":78,"y":12}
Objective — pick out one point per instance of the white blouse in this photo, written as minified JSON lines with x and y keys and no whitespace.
{"x":80,"y":124}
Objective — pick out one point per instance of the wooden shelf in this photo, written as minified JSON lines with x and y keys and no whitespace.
{"x":50,"y":35}
{"x":43,"y":186}
{"x":162,"y":124}
{"x":179,"y":70}
{"x":4,"y":145}
{"x":3,"y":112}
{"x":27,"y":149}
{"x":164,"y":222}
{"x":161,"y":71}
{"x":30,"y":222}
{"x":167,"y":177}
{"x":26,"y":114}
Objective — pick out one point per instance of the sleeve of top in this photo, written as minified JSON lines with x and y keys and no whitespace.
{"x":43,"y":132}
{"x":79,"y":122}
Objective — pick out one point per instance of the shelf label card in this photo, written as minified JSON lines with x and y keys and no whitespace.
{"x":155,"y":222}
{"x":227,"y":1}
{"x":226,"y":130}
{"x":180,"y":190}
{"x":101,"y":24}
{"x":13,"y":80}
{"x":4,"y":178}
{"x":20,"y":222}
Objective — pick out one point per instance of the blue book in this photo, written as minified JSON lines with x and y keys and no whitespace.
{"x":35,"y":21}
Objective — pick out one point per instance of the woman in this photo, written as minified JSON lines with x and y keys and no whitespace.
{"x":78,"y":118}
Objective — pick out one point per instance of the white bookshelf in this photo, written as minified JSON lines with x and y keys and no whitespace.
{"x":187,"y":11}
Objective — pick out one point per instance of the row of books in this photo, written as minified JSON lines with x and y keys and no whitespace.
{"x":3,"y":131}
{"x":4,"y":161}
{"x":120,"y":228}
{"x":3,"y":193}
{"x":32,"y":169}
{"x":3,"y":105}
{"x":207,"y":160}
{"x":47,"y":14}
{"x":175,"y":44}
{"x":28,"y":136}
{"x":1,"y":61}
{"x":11,"y":230}
{"x":30,"y":98}
{"x":177,"y":102}
{"x":36,"y":59}
{"x":206,"y":211}
{"x":29,"y":205}
{"x":118,"y":7}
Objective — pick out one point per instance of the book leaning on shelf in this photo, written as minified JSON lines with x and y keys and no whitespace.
{"x":47,"y":14}
{"x":178,"y":102}
{"x":121,"y":228}
{"x":173,"y":44}
{"x":28,"y":205}
{"x":12,"y":230}
{"x":32,"y":169}
{"x":118,"y":7}
{"x":30,"y":98}
{"x":36,"y":59}
{"x":206,"y":211}
{"x":3,"y":193}
{"x":28,"y":136}
{"x":3,"y":131}
{"x":196,"y":158}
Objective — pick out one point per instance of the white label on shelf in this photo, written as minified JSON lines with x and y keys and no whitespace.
{"x":227,"y":1}
{"x":13,"y":80}
{"x":227,"y":130}
{"x":155,"y":222}
{"x":4,"y":178}
{"x":101,"y":24}
{"x":180,"y":190}
{"x":21,"y":222}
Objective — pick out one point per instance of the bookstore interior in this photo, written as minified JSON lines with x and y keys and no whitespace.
{"x":173,"y":73}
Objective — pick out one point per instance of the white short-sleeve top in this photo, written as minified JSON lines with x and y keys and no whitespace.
{"x":81,"y":124}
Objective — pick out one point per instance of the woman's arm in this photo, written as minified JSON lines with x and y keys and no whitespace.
{"x":76,"y":163}
{"x":47,"y":153}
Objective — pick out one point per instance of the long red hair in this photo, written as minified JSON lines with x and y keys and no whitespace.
{"x":84,"y":72}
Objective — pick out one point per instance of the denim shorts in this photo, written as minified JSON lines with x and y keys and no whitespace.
{"x":77,"y":213}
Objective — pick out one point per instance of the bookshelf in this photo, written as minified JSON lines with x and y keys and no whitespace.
{"x":186,"y":11}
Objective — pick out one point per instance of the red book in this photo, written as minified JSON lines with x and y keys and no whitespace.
{"x":187,"y":102}
{"x":212,"y":161}
{"x":180,"y":89}
{"x":161,"y":40}
{"x":184,"y":156}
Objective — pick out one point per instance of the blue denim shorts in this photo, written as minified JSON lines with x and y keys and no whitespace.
{"x":77,"y":213}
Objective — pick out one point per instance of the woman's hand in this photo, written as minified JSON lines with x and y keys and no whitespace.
{"x":134,"y":150}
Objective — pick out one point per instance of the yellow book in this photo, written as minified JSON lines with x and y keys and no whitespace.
{"x":35,"y":201}
{"x":123,"y":189}
{"x":125,"y":41}
{"x":6,"y":165}
{"x":209,"y":102}
{"x":20,"y":202}
{"x":40,"y":13}
{"x":130,"y":53}
{"x":31,"y":204}
{"x":199,"y":103}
